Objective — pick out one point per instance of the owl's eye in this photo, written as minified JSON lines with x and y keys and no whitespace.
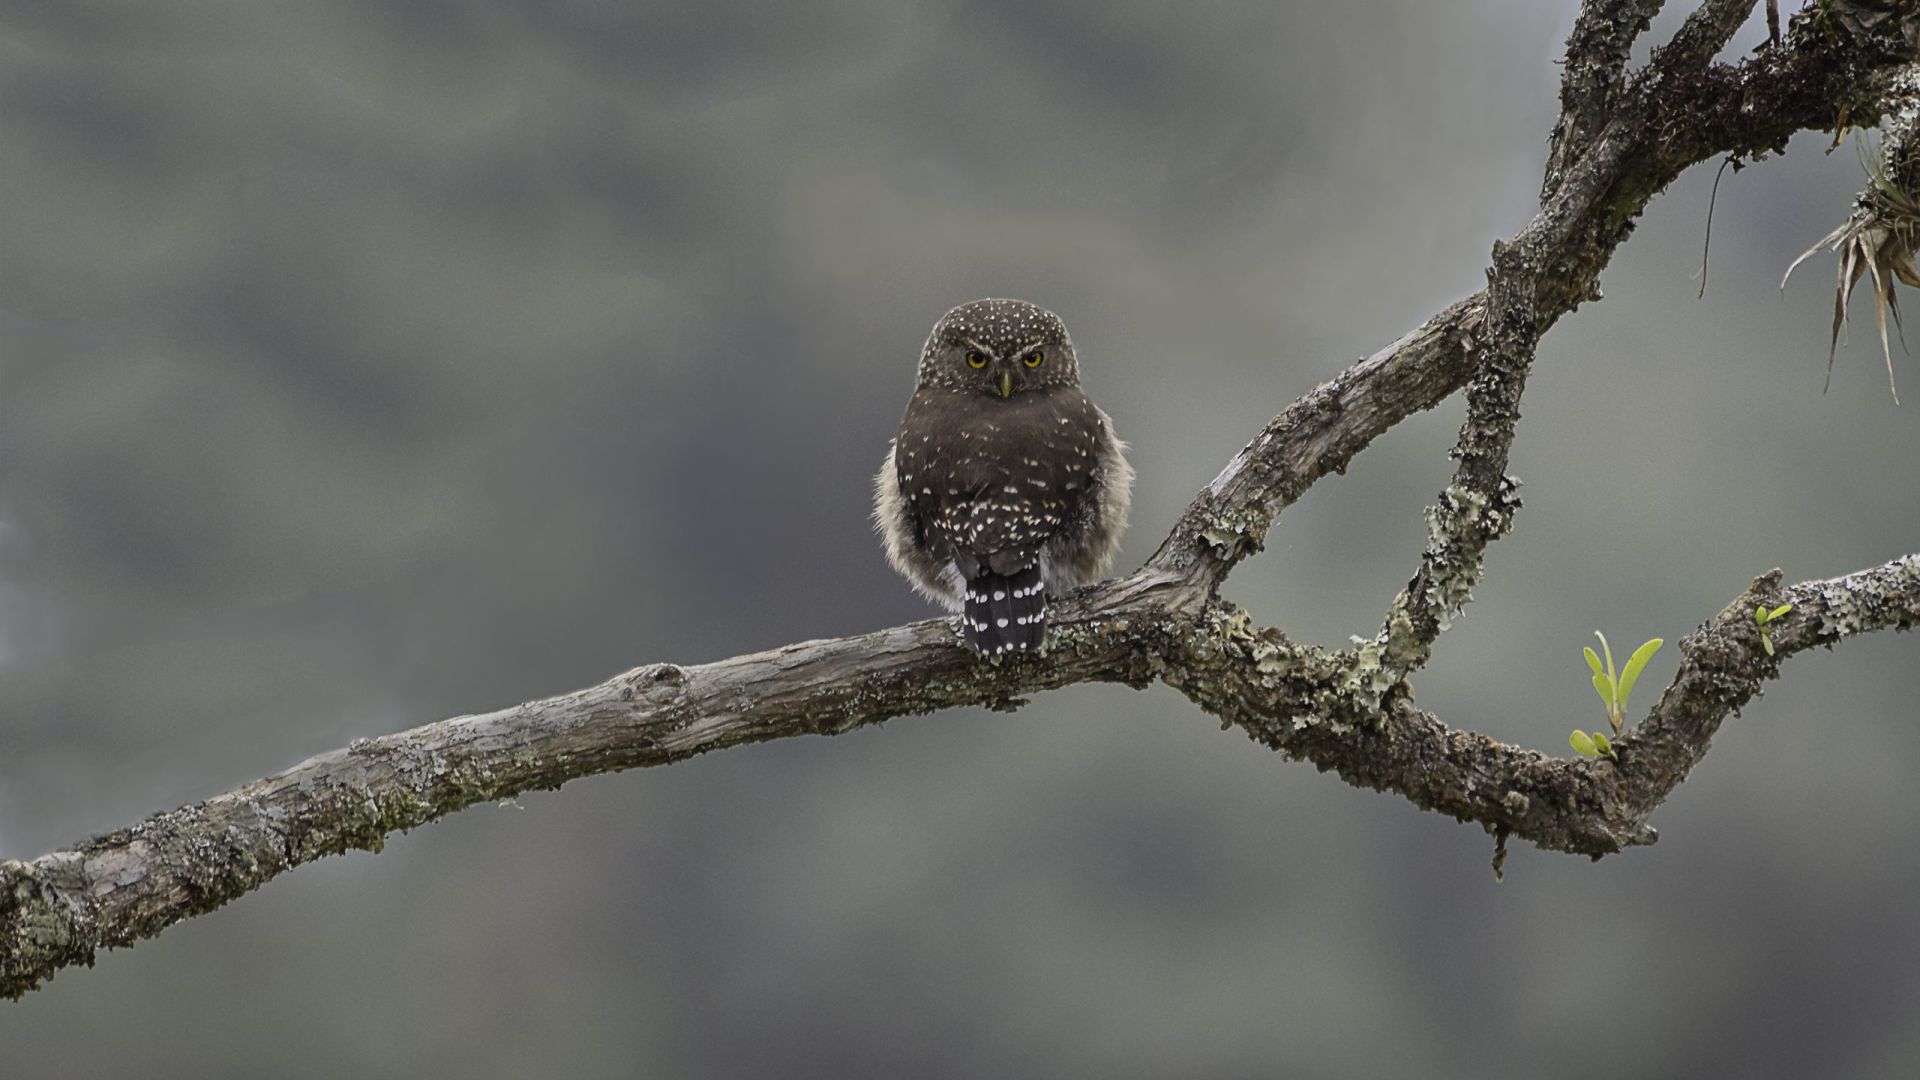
{"x":1034,"y":358}
{"x":976,"y":359}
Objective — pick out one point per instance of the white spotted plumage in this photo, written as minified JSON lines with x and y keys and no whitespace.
{"x":1017,"y":478}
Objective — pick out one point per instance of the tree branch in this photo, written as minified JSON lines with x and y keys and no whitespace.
{"x":1288,"y":698}
{"x":1597,"y":52}
{"x":111,"y":891}
{"x":1348,"y":712}
{"x":1661,"y":127}
{"x":1706,"y":31}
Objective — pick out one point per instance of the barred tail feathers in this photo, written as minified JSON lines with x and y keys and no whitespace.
{"x":1006,"y":612}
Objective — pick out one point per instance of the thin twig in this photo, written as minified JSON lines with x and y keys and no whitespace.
{"x":1707,"y":244}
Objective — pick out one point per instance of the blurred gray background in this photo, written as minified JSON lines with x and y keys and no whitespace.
{"x":368,"y":363}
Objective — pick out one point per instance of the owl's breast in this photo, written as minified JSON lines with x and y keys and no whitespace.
{"x":985,"y":474}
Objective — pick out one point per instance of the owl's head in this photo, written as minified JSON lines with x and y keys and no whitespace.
{"x":999,"y":348}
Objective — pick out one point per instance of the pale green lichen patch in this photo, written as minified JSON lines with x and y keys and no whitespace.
{"x":1278,"y":691}
{"x":1271,"y":660}
{"x":1357,"y":687}
{"x":1459,"y":528}
{"x":42,"y":927}
{"x":1235,"y":532}
{"x":1223,"y":541}
{"x":1861,"y":604}
{"x":1399,"y":631}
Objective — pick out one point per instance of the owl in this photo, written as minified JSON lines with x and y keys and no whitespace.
{"x":1005,"y":484}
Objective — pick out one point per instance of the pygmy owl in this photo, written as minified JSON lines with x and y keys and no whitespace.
{"x":1005,"y":483}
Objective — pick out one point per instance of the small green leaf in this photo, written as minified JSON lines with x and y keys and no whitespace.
{"x":1604,"y":686}
{"x":1766,"y":643}
{"x":1593,"y":660}
{"x":1608,"y":649}
{"x":1583,"y":742}
{"x":1603,"y":744}
{"x":1635,"y":664}
{"x":1779,"y":611}
{"x":1760,"y":615}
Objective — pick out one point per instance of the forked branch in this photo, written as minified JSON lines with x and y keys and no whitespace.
{"x":1621,"y":139}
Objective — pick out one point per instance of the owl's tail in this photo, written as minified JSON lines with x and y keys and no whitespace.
{"x":1006,"y":612}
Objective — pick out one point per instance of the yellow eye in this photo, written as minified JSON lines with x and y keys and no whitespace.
{"x":976,"y":359}
{"x":1034,"y":358}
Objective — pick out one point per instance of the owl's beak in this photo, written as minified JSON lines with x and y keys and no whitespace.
{"x":1006,"y":384}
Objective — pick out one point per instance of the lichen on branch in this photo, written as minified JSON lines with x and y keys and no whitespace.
{"x":1622,"y":137}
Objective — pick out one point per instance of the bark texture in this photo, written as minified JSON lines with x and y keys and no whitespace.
{"x":1621,"y":138}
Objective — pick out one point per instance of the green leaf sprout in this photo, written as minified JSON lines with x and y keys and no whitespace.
{"x":1592,"y":744}
{"x":1761,"y":617}
{"x":1613,"y":690}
